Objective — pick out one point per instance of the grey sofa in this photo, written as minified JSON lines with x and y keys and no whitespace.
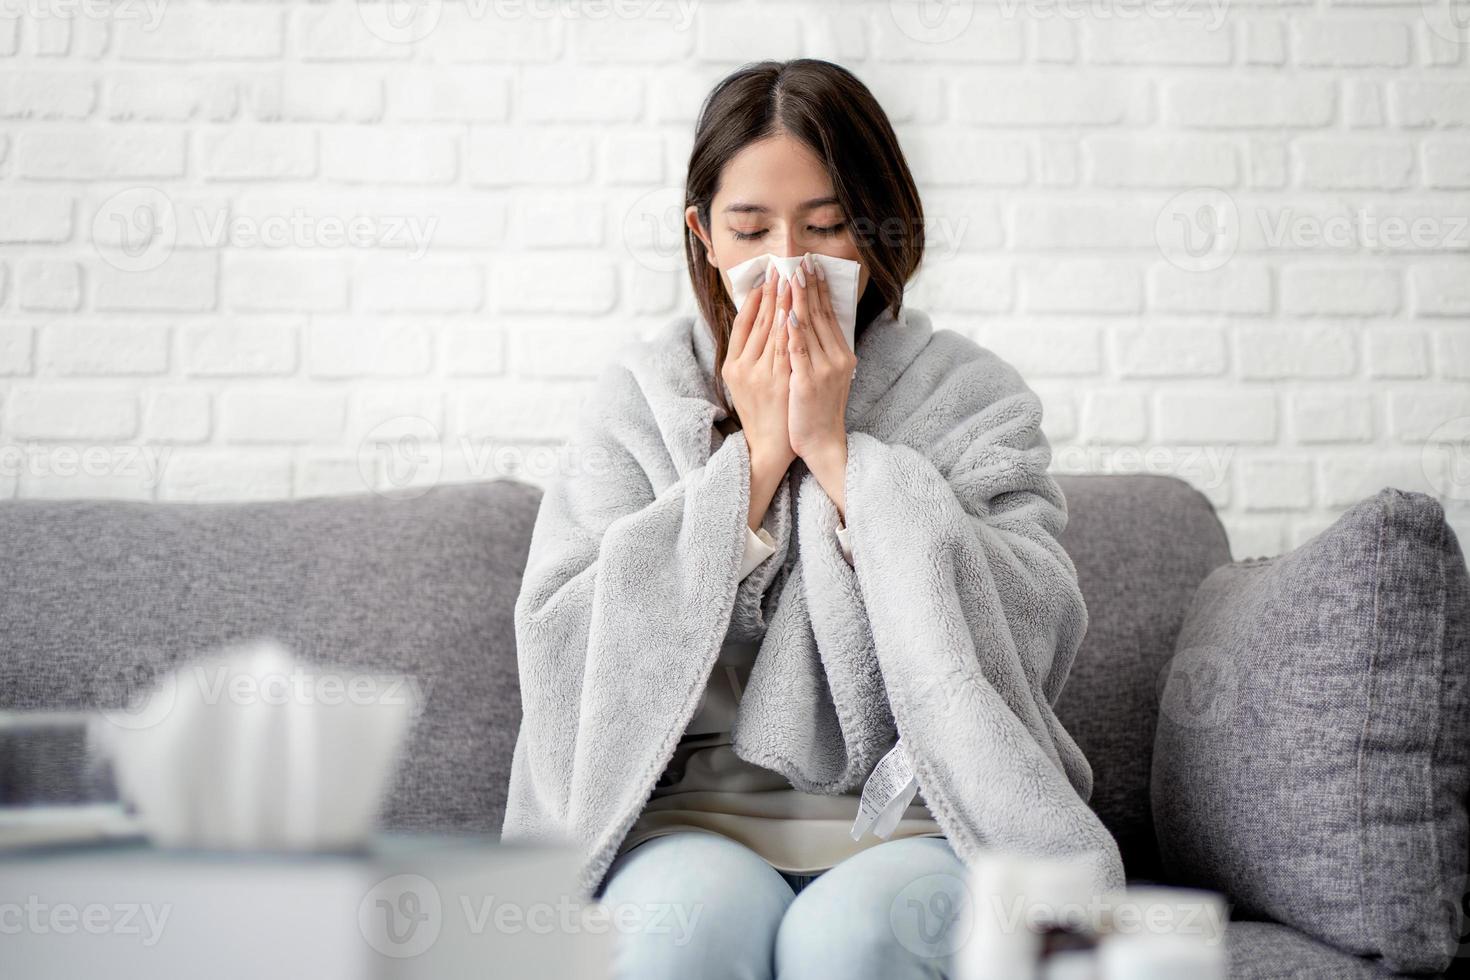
{"x":97,"y":597}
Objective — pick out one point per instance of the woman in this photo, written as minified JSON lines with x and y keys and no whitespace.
{"x":714,"y":659}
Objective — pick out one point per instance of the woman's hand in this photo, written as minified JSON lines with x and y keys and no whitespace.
{"x":758,"y":370}
{"x":822,"y":365}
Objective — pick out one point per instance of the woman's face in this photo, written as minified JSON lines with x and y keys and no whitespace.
{"x":775,"y":197}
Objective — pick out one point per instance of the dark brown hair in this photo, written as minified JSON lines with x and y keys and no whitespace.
{"x":825,"y":107}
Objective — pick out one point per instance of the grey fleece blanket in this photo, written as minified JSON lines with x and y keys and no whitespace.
{"x":956,"y":626}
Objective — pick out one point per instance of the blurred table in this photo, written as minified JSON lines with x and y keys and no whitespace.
{"x":405,"y":907}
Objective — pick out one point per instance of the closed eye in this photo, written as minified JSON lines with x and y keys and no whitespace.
{"x":828,"y":230}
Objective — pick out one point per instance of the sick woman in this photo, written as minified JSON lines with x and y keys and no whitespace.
{"x":795,"y":619}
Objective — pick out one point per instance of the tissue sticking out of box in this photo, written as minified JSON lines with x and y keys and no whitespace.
{"x":252,"y":749}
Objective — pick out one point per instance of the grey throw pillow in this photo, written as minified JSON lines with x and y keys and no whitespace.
{"x":1314,"y":728}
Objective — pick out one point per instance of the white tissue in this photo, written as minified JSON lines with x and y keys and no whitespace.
{"x":251,"y":749}
{"x":842,"y":280}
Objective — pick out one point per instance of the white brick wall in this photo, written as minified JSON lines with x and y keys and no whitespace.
{"x":259,"y":250}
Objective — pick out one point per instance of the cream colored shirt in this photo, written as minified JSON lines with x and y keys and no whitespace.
{"x":707,"y":787}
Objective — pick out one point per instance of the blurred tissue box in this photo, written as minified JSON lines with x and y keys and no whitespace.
{"x":1035,"y":918}
{"x":251,"y":749}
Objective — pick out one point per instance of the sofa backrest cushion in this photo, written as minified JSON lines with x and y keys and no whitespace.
{"x":99,"y":597}
{"x":1141,"y":544}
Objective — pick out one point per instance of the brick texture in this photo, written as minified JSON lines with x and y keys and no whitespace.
{"x":302,"y":249}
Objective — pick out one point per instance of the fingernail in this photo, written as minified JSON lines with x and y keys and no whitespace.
{"x":791,"y":318}
{"x":781,"y":289}
{"x":809,"y":262}
{"x":800,"y":278}
{"x":821,"y":273}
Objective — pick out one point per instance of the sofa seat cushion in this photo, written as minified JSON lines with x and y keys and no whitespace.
{"x":1271,"y":951}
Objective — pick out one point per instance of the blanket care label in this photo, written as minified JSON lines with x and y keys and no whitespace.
{"x":886,"y":795}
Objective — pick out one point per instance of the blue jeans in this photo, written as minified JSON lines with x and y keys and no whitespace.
{"x":703,"y":906}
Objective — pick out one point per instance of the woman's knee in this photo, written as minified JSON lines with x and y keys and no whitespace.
{"x":694,"y":904}
{"x":897,"y":910}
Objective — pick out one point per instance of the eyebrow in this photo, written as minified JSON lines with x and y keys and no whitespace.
{"x":745,"y":207}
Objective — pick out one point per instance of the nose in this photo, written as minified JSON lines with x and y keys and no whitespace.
{"x":789,"y":247}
